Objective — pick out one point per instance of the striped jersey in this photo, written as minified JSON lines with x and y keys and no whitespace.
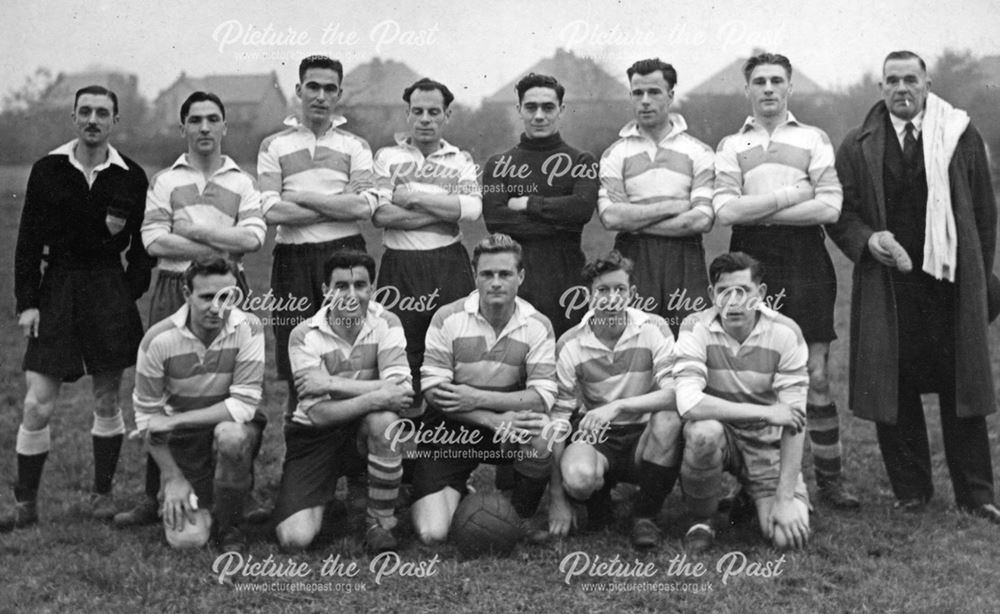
{"x":638,"y":171}
{"x":181,"y":192}
{"x":379,"y":352}
{"x":175,"y":372}
{"x":591,"y":374}
{"x":770,"y":366}
{"x":753,"y":162}
{"x":295,"y":159}
{"x":462,"y":347}
{"x":445,"y":171}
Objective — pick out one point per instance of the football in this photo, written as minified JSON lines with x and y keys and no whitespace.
{"x":485,"y":523}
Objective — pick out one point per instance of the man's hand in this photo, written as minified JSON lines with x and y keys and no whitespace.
{"x":517,"y":203}
{"x":598,"y":418}
{"x":404,"y":197}
{"x":160,"y":423}
{"x":880,"y":244}
{"x":395,"y":396}
{"x":177,"y":499}
{"x":781,"y":414}
{"x":525,"y":423}
{"x":561,"y":516}
{"x":457,"y":397}
{"x":788,"y":522}
{"x":185,"y":228}
{"x":28,"y":321}
{"x":312,"y":383}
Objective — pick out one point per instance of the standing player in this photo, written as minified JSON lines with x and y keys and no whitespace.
{"x":198,"y":385}
{"x":316,"y":185}
{"x":741,"y":382}
{"x":776,"y":184}
{"x":350,"y":368}
{"x":615,"y":383}
{"x":203,"y":204}
{"x":541,"y":193}
{"x":425,"y":187}
{"x":82,"y":209}
{"x":489,"y":381}
{"x":656,"y":190}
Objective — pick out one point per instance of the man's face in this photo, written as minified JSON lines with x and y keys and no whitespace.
{"x":737,"y":296}
{"x":651,"y":98}
{"x":95,"y":119}
{"x":350,"y":291}
{"x":498,"y":279}
{"x":768,"y":90}
{"x":610,"y":292}
{"x":319,"y":92}
{"x":204,"y":128}
{"x":540,"y":110}
{"x":427,"y":116}
{"x":904,"y":87}
{"x":209,"y":300}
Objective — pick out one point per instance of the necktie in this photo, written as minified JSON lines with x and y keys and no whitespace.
{"x":909,"y":145}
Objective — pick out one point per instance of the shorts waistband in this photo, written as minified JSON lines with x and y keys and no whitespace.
{"x":637,"y":236}
{"x":312,"y":248}
{"x":778,"y":230}
{"x":437,"y":250}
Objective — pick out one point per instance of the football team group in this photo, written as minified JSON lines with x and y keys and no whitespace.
{"x":670,"y":370}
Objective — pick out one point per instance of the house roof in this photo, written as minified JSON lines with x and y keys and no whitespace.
{"x":378,"y":82}
{"x":729,"y":80}
{"x":66,"y":84}
{"x":990,"y":67}
{"x":232,"y":89}
{"x":581,"y":76}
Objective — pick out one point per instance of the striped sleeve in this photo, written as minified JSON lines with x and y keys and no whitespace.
{"x":703,"y":181}
{"x":612,"y":181}
{"x":361,"y":179}
{"x":157,"y":220}
{"x":663,"y":355}
{"x":382,"y":178}
{"x":303,"y":356}
{"x":149,"y":396}
{"x":690,"y":370}
{"x":540,"y":363}
{"x":249,"y":214}
{"x":823,"y":173}
{"x":728,"y":176}
{"x":470,"y":200}
{"x":791,"y":382}
{"x":439,"y":362}
{"x":566,"y":398}
{"x":246,"y":389}
{"x":268,"y":175}
{"x":392,"y":363}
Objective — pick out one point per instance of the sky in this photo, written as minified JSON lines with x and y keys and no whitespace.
{"x":477,"y":47}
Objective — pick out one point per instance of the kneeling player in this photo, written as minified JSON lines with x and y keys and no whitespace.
{"x":741,"y":374}
{"x":489,"y":380}
{"x":352,"y":379}
{"x":198,"y":381}
{"x":615,"y":383}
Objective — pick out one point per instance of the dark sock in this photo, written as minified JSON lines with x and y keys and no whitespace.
{"x":528,"y":493}
{"x":152,"y":478}
{"x":504,"y":478}
{"x":106,"y":452}
{"x":29,"y":475}
{"x":228,"y":507}
{"x":655,"y":483}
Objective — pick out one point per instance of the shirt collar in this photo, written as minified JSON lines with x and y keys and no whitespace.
{"x":899,"y":124}
{"x":228,"y":164}
{"x":678,"y":125}
{"x":635,"y":319}
{"x":113,"y":156}
{"x":293,"y":121}
{"x":522,"y":310}
{"x":764,"y":322}
{"x":751,"y":122}
{"x":321,"y":321}
{"x":180,"y":318}
{"x":405,"y":139}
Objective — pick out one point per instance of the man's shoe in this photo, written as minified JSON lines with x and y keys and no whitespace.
{"x":25,"y":514}
{"x":699,"y":538}
{"x":379,"y":539}
{"x":147,"y":512}
{"x":645,"y":533}
{"x":913,"y":505}
{"x":740,"y":508}
{"x":987,"y":511}
{"x":101,"y":506}
{"x":232,"y":540}
{"x":836,"y":495}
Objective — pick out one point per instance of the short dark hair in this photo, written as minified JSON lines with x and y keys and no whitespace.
{"x":348,"y":258}
{"x":766,"y":58}
{"x":536,"y":80}
{"x":97,"y":90}
{"x":903,"y":54}
{"x":201,"y":97}
{"x":614,"y":261}
{"x":497,"y":243}
{"x":733,"y":262}
{"x":429,"y":85}
{"x":321,"y":61}
{"x":212,"y":264}
{"x":651,"y":65}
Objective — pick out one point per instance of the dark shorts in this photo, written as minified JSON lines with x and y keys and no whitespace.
{"x":619,"y":448}
{"x":194,"y":452}
{"x":552,"y":266}
{"x":168,"y":293}
{"x":670,"y":275}
{"x":414,"y":284}
{"x":441,"y":465}
{"x":798,"y":269}
{"x":315,"y":458}
{"x":88,"y":324}
{"x":297,"y":271}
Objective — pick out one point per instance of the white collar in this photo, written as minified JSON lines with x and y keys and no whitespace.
{"x":68,"y":149}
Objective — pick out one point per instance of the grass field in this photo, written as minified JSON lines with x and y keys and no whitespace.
{"x":870,"y":561}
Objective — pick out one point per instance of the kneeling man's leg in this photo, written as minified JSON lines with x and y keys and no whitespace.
{"x":236,"y":447}
{"x":657,"y":462}
{"x":701,"y":469}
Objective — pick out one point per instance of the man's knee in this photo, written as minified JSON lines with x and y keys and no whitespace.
{"x":39,"y":400}
{"x":580,"y":480}
{"x":106,"y":387}
{"x":378,"y":428}
{"x":232,"y":440}
{"x":819,"y":381}
{"x":295,"y":534}
{"x":431,"y":519}
{"x":703,"y":437}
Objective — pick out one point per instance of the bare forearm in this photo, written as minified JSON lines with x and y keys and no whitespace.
{"x":628,"y":217}
{"x":791,"y":462}
{"x":327,"y":413}
{"x":164,"y":460}
{"x":443,"y":207}
{"x":285,"y":212}
{"x":689,"y":223}
{"x":347,"y":388}
{"x":714,"y":408}
{"x":394,"y":216}
{"x":657,"y":400}
{"x":341,"y":207}
{"x":808,"y":213}
{"x":232,"y":239}
{"x":518,"y":400}
{"x":176,"y":246}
